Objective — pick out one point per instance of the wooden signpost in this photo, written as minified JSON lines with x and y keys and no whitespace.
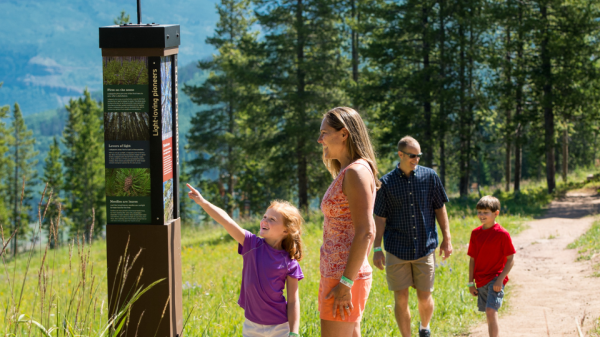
{"x":142,"y":174}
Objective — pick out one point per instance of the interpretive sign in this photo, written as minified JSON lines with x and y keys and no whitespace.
{"x":142,"y":174}
{"x":140,"y":152}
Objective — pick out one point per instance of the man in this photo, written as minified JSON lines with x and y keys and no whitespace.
{"x":408,"y":203}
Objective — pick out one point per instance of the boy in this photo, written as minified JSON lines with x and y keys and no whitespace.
{"x":491,"y":251}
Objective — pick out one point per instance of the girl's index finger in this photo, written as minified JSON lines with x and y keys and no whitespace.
{"x":190,"y":187}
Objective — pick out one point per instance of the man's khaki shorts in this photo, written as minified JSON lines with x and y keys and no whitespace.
{"x":402,"y":274}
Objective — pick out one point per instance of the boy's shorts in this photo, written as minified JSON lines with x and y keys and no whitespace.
{"x":401,"y":274}
{"x":252,"y":329}
{"x":488,"y":298}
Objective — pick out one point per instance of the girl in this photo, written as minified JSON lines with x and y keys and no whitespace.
{"x":270,"y":264}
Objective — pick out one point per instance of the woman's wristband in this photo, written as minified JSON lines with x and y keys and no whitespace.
{"x":377,"y":249}
{"x":293,"y":334}
{"x":470,"y":284}
{"x":346,"y":281}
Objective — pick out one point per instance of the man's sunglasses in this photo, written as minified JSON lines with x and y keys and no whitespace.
{"x":412,"y":156}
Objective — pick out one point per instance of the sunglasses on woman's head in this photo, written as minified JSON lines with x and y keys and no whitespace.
{"x":412,"y":156}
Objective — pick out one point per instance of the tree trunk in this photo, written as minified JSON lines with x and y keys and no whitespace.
{"x":548,"y":104}
{"x":565,"y":153}
{"x":354,"y":33}
{"x":508,"y":126}
{"x":230,"y":160}
{"x":442,"y":127}
{"x":428,"y":147}
{"x":463,"y":157}
{"x":16,"y":215}
{"x":519,"y":105}
{"x":301,"y":112}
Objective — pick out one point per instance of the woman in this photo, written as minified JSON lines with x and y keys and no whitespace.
{"x":349,"y":228}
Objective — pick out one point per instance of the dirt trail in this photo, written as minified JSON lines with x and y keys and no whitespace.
{"x":549,"y":289}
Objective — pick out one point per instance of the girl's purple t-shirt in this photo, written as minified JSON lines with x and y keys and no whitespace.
{"x":263,"y":279}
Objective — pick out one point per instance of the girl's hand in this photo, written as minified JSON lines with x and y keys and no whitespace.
{"x":473,"y":291}
{"x":342,"y":300}
{"x":498,"y":285}
{"x":194,"y":194}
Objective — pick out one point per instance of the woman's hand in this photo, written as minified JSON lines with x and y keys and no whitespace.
{"x":195,"y":195}
{"x":342,"y":300}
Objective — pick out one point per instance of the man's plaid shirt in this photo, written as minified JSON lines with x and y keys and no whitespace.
{"x":409,"y":204}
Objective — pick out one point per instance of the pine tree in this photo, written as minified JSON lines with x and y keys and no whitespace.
{"x":21,"y":152}
{"x":53,"y":176}
{"x":215,"y":134}
{"x":303,"y":74}
{"x":565,"y":70}
{"x":83,"y":160}
{"x":122,"y":19}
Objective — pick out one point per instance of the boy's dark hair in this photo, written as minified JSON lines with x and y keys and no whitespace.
{"x":489,"y":202}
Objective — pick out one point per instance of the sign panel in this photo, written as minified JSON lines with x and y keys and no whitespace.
{"x":127,"y":139}
{"x":140,"y":149}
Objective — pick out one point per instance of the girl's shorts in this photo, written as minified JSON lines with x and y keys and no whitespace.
{"x":360,"y":295}
{"x":252,"y":329}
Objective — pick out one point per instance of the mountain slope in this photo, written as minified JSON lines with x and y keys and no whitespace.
{"x":50,"y":49}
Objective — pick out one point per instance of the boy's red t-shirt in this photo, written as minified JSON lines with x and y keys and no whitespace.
{"x":489,"y":248}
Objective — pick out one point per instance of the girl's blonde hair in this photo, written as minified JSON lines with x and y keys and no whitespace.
{"x":292,"y":220}
{"x":358,"y":144}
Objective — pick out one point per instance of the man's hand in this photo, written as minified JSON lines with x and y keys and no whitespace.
{"x":498,"y":285}
{"x":379,"y":260}
{"x":473,"y":291}
{"x":446,"y":249}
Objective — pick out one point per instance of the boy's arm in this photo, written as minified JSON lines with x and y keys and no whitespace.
{"x":472,"y":289}
{"x":293,"y":304}
{"x":510,"y":262}
{"x":219,"y":215}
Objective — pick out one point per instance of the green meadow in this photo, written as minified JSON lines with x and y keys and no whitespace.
{"x":73,"y":280}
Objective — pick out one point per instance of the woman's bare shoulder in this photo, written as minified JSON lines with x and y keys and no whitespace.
{"x":357,"y":175}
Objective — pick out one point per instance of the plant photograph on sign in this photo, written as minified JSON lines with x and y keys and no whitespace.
{"x":125,"y":70}
{"x":168,"y":199}
{"x":128,"y":182}
{"x":165,"y":89}
{"x":126,"y":126}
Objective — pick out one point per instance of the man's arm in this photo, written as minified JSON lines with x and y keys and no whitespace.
{"x":379,"y":257}
{"x":442,"y":218}
{"x":510,"y":262}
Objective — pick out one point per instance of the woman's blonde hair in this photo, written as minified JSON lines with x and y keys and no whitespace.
{"x":292,"y":220}
{"x":358,"y":144}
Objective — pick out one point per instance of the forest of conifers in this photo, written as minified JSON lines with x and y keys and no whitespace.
{"x":496,"y":92}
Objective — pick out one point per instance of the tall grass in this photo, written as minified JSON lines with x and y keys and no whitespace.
{"x":61,"y":291}
{"x":65,"y":289}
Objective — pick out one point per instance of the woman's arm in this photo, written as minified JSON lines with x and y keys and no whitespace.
{"x":219,"y":215}
{"x":293,"y":304}
{"x":358,"y":188}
